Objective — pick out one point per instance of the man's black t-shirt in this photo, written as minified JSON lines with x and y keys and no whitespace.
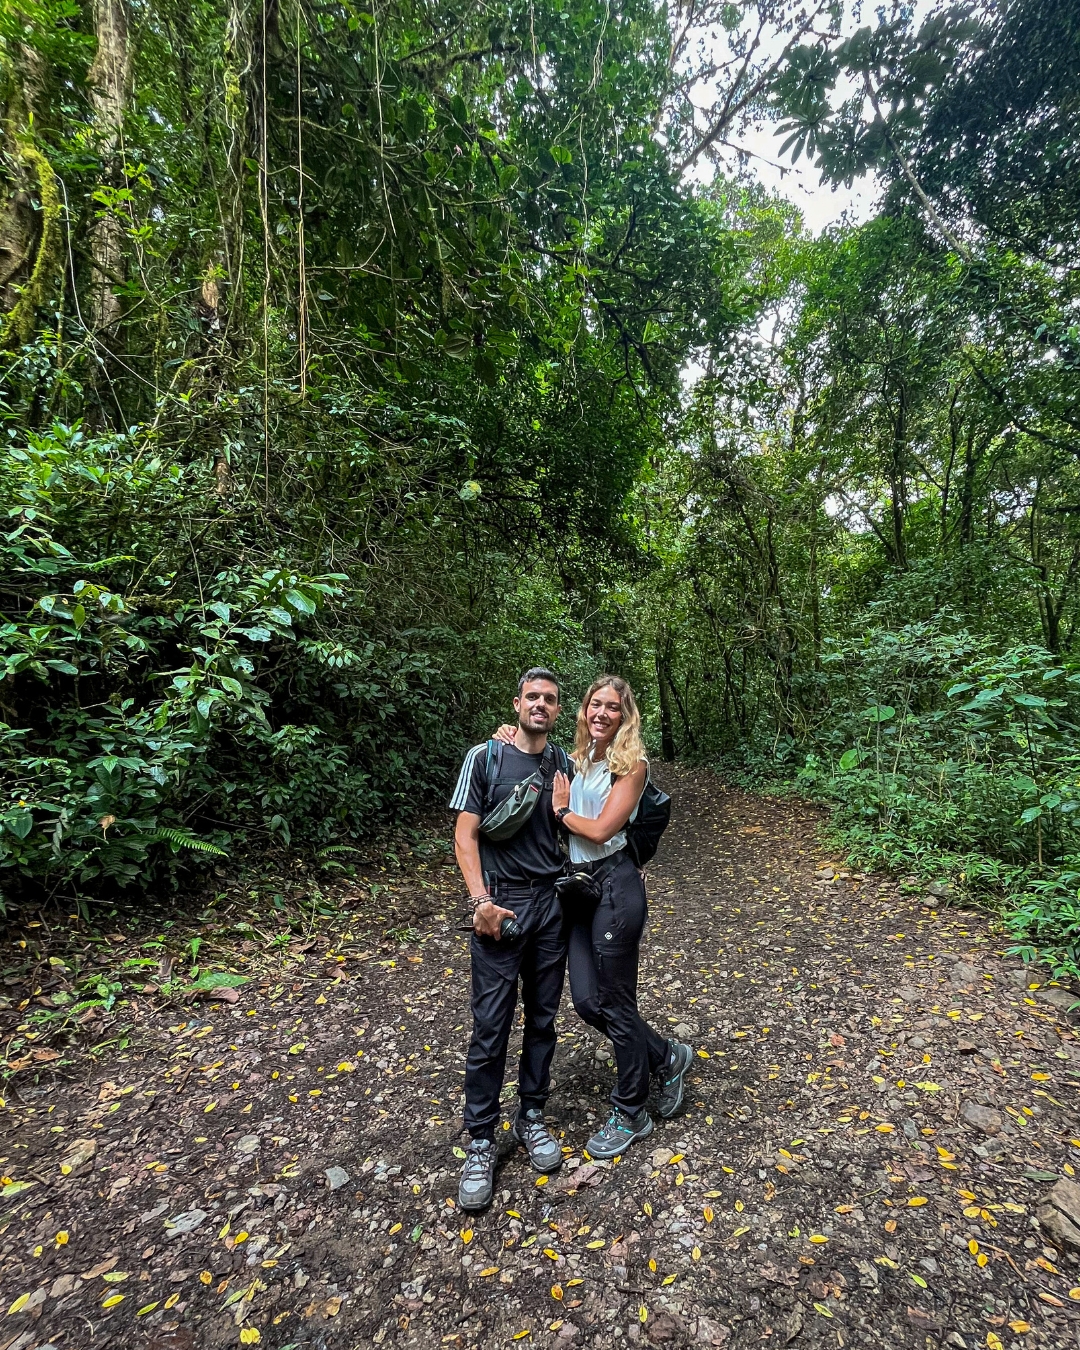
{"x":533,"y":853}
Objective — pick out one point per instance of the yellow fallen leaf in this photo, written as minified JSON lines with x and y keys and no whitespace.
{"x":944,"y":1154}
{"x":740,"y":1231}
{"x":19,"y":1304}
{"x":571,"y":1283}
{"x":557,"y":1292}
{"x":250,"y":1336}
{"x":647,"y":1208}
{"x":818,"y":1238}
{"x":885,"y":1128}
{"x":61,"y":1238}
{"x":695,"y":1255}
{"x":993,"y":1340}
{"x":466,"y":1235}
{"x":554,"y":1326}
{"x":643,"y":1314}
{"x":708,"y":1214}
{"x":971,"y":1211}
{"x":205,"y":1277}
{"x":396,"y":1229}
{"x":490,"y":1270}
{"x":147,"y":1308}
{"x":595,"y":1245}
{"x":346,"y":1066}
{"x":821,"y":1308}
{"x":845,"y":1209}
{"x":551,"y":1253}
{"x":914,"y":1201}
{"x":652,"y":1264}
{"x":172,"y":1300}
{"x":676,"y":1158}
{"x":520,"y":1335}
{"x":739,"y":1206}
{"x":668,"y":1279}
{"x":1040,"y":1077}
{"x":1019,"y":1326}
{"x":242,"y":1236}
{"x":540,"y":1181}
{"x":116,"y":1276}
{"x":113,"y":1300}
{"x":973,"y":1247}
{"x":1074,"y":1294}
{"x":928,"y":1087}
{"x":209,"y":1107}
{"x":981,"y":1259}
{"x":703,"y":1054}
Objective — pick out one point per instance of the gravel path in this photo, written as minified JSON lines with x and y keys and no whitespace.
{"x":880,"y":1107}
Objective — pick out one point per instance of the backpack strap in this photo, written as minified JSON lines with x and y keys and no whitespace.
{"x":492,"y":760}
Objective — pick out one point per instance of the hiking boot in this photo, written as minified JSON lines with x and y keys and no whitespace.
{"x":617,"y":1134}
{"x":478,"y":1175}
{"x":671,"y":1079}
{"x":540,"y":1144}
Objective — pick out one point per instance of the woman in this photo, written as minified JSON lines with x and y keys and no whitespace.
{"x":605,"y":936}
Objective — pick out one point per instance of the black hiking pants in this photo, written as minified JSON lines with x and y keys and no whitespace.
{"x":603,"y":967}
{"x":538,"y":957}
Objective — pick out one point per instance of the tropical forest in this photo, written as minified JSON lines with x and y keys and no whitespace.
{"x":357,"y":355}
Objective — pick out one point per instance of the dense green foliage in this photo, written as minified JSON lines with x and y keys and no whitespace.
{"x":346,"y":374}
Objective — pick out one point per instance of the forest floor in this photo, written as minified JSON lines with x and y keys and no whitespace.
{"x":880,"y":1105}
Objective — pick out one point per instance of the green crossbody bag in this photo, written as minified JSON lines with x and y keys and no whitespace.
{"x":504,"y":820}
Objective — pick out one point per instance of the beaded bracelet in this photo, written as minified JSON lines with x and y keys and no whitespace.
{"x":477,"y":900}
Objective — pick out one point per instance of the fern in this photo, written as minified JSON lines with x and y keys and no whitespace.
{"x":181,"y":839}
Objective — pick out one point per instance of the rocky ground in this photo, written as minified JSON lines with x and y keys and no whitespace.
{"x":877,"y":1149}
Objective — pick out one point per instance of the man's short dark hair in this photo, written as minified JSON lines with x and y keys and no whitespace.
{"x":538,"y":673}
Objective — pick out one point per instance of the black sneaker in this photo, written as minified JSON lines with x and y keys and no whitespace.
{"x":617,"y":1134}
{"x":540,"y":1144}
{"x":478,"y":1175}
{"x":671,"y":1080}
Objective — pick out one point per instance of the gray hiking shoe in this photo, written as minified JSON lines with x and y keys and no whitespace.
{"x":540,"y":1144}
{"x":618,"y":1132}
{"x":478,"y":1175}
{"x":671,"y":1080}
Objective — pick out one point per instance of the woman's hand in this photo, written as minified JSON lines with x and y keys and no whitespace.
{"x":560,"y":791}
{"x":506,"y":733}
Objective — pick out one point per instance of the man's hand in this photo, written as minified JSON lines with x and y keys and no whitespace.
{"x":487,"y":919}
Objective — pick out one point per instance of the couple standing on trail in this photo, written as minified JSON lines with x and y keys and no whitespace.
{"x":533,"y":915}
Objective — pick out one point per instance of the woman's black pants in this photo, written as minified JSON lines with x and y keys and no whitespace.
{"x":602,"y":962}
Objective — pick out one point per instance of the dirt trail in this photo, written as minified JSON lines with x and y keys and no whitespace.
{"x":879,"y":1106}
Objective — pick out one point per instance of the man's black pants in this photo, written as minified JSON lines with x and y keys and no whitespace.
{"x":604,"y":946}
{"x":539,"y":958}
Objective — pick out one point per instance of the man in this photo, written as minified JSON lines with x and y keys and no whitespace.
{"x":515,"y":879}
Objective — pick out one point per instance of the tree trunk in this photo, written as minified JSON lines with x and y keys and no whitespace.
{"x":110,"y":84}
{"x":667,"y":735}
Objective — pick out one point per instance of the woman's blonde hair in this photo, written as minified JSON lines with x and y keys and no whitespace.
{"x":626,"y":751}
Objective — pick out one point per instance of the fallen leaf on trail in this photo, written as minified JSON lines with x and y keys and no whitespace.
{"x":557,"y":1291}
{"x":1019,"y":1326}
{"x":19,"y":1304}
{"x":113,"y":1300}
{"x":490,"y":1270}
{"x":915,"y":1201}
{"x":821,"y":1308}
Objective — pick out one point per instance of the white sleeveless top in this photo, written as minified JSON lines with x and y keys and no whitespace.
{"x":588,"y":793}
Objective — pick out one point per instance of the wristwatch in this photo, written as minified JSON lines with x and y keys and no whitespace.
{"x":561,"y":812}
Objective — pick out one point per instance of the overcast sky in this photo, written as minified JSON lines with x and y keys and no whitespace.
{"x":821,"y":205}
